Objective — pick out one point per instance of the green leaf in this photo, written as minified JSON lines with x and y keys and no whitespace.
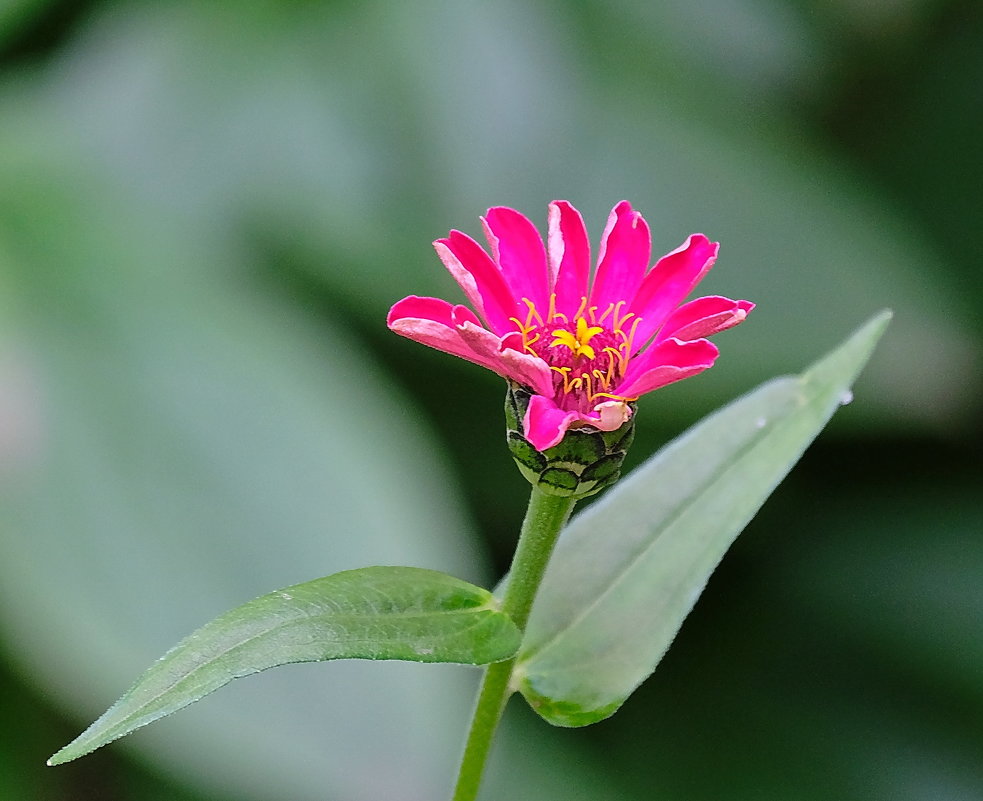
{"x":628,"y":570}
{"x":405,"y":613}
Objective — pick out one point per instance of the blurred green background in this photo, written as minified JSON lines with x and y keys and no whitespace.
{"x":206,"y":209}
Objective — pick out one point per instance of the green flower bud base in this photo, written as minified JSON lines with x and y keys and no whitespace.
{"x":584,"y":462}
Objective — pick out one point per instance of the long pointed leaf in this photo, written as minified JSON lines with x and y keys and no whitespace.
{"x":403,"y":613}
{"x":628,"y":570}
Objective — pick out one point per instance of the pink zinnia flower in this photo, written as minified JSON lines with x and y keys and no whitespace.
{"x":586,"y":349}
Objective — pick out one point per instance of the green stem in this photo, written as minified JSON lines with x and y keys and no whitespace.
{"x":545,"y":516}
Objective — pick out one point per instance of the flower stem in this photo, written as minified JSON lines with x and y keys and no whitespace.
{"x":545,"y":516}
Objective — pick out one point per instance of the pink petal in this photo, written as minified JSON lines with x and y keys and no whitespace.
{"x":517,"y":248}
{"x":435,"y":322}
{"x":665,"y":363}
{"x":704,"y":317}
{"x":623,"y":258}
{"x":456,"y":330}
{"x":545,"y":423}
{"x":480,"y":279}
{"x":434,"y":309}
{"x":569,"y":250}
{"x":670,"y":280}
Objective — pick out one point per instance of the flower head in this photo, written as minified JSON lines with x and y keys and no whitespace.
{"x":585,"y":348}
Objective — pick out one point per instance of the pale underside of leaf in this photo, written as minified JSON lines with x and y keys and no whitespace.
{"x":372,"y":613}
{"x":628,"y":570}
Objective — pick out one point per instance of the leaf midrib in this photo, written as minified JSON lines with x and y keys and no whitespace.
{"x":241,"y":644}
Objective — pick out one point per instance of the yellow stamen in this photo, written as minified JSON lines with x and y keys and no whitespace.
{"x":617,"y":320}
{"x":601,"y":378}
{"x":565,"y":372}
{"x":533,"y":313}
{"x":614,"y":397}
{"x":615,"y":360}
{"x":525,"y":331}
{"x":579,"y":343}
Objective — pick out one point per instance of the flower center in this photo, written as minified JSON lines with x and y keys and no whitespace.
{"x":588,"y":353}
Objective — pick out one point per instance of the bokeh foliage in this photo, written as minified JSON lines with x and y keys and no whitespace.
{"x":206,"y":209}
